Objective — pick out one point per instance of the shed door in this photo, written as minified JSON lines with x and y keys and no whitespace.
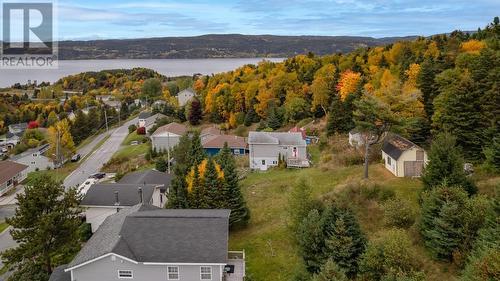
{"x":413,"y":168}
{"x":420,"y":155}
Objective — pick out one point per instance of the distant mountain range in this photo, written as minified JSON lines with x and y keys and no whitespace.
{"x":217,"y":46}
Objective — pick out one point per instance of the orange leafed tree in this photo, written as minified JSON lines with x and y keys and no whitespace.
{"x":349,"y":81}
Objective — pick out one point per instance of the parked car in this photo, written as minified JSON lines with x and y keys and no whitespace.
{"x":76,"y":157}
{"x":98,"y":175}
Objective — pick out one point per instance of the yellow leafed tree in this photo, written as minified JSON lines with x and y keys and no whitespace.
{"x":202,"y":167}
{"x":349,"y":81}
{"x":60,"y":140}
{"x":472,"y":46}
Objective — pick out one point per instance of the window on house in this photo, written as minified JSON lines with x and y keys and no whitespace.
{"x":206,"y":272}
{"x":388,"y":160}
{"x":236,"y":151}
{"x":125,"y":274}
{"x":263,"y":162}
{"x":275,"y":162}
{"x":173,"y":273}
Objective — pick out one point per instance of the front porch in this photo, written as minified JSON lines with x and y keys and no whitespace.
{"x":297,"y":163}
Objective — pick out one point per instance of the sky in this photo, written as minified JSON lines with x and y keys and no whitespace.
{"x":118,"y":19}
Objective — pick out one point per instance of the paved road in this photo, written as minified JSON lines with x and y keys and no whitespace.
{"x":94,"y":162}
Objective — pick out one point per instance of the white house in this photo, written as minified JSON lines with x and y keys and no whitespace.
{"x":167,"y":136}
{"x":11,"y":174}
{"x":148,"y":119}
{"x":35,"y":159}
{"x":402,"y":157}
{"x":265,"y":149}
{"x":184,"y":96}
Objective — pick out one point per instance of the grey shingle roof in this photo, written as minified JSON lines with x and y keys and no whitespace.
{"x":40,"y":150}
{"x":8,"y":169}
{"x":58,"y":274}
{"x":128,"y":194}
{"x":395,"y":145}
{"x":149,"y":234}
{"x":276,"y":138}
{"x":147,"y":177}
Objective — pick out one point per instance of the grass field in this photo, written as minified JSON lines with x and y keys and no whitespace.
{"x":133,"y":137}
{"x":131,"y":151}
{"x":270,"y":248}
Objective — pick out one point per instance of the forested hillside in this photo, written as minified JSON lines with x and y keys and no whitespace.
{"x":443,"y":83}
{"x":216,"y":46}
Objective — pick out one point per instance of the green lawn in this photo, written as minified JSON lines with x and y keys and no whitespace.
{"x":133,"y":137}
{"x":132,"y":150}
{"x":269,"y":245}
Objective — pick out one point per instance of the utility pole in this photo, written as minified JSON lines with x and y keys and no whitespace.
{"x":168,"y":152}
{"x":106,"y":118}
{"x":58,"y":157}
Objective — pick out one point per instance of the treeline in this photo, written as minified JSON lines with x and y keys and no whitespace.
{"x":457,"y":227}
{"x":451,"y":80}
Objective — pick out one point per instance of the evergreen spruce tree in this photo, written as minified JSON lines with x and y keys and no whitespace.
{"x":45,"y":227}
{"x":198,"y":197}
{"x":450,"y":220}
{"x":240,"y":215}
{"x":345,"y":242}
{"x":330,"y":271}
{"x":273,"y":119}
{"x":457,"y":109}
{"x":213,"y":187}
{"x":196,"y":152}
{"x":311,"y":241}
{"x":178,"y":195}
{"x":340,"y":116}
{"x":300,"y":203}
{"x":446,"y":165}
{"x":251,"y":117}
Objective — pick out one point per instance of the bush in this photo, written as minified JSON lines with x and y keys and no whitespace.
{"x":85,"y":231}
{"x":132,"y":128}
{"x":241,"y":131}
{"x":161,"y":165}
{"x":141,"y":131}
{"x":389,"y":256}
{"x":398,"y":212}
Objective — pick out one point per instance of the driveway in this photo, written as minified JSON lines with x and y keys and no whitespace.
{"x":94,"y":162}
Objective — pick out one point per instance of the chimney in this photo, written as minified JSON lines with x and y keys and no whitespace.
{"x":117,"y":202}
{"x":140,"y":195}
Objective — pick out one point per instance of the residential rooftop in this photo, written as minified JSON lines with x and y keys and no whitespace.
{"x":145,"y":233}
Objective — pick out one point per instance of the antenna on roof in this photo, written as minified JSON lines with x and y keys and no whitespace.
{"x":117,"y":201}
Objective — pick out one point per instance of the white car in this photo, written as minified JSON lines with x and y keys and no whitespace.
{"x":84,"y":187}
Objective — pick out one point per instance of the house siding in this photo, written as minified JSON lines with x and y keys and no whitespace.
{"x":397,"y":166}
{"x":96,"y":215}
{"x":165,"y":142}
{"x":106,"y":269}
{"x":214,"y":151}
{"x":270,"y":152}
{"x":6,"y":186}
